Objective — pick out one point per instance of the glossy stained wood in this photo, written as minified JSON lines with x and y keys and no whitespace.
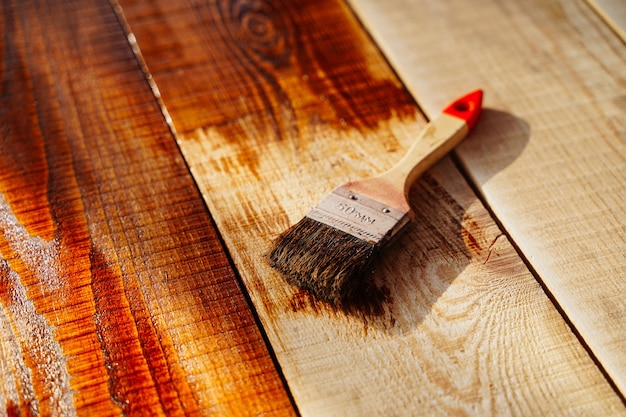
{"x":276,"y":103}
{"x":116,"y":297}
{"x":561,"y":191}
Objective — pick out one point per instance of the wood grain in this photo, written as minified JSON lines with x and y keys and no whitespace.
{"x":560,"y":192}
{"x":276,"y":103}
{"x":116,"y":297}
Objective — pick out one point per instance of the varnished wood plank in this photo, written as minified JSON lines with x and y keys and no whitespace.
{"x":116,"y":296}
{"x":558,"y":186}
{"x":275,"y":103}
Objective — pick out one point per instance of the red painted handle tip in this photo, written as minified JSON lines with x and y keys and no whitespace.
{"x":467,"y":107}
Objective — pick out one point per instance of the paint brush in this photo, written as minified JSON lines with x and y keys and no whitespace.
{"x":328,"y":252}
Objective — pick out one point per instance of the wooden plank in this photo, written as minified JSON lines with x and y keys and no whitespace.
{"x":552,"y":165}
{"x":115,"y":294}
{"x":613,"y":12}
{"x":275,"y":103}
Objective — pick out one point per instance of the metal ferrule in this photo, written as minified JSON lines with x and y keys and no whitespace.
{"x":359,"y":216}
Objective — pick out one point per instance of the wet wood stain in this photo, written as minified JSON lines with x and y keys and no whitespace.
{"x":96,"y":208}
{"x":276,"y":67}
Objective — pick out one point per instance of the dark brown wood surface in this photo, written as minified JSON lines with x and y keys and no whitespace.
{"x":274,"y":62}
{"x":116,"y":296}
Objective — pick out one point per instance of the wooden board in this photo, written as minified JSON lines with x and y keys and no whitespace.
{"x":275,"y":103}
{"x":552,"y":163}
{"x":116,"y":297}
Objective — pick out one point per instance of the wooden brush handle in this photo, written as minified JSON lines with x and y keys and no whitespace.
{"x":438,"y":138}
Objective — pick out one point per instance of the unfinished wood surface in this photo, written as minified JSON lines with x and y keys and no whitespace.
{"x":116,"y":297}
{"x":276,"y":103}
{"x":560,"y":191}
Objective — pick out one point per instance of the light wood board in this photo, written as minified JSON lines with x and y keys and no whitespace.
{"x":277,"y":103}
{"x":556,"y":179}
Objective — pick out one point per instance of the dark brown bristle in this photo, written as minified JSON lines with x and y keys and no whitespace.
{"x":322,"y":260}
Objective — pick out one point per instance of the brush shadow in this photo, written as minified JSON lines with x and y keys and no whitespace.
{"x":413,"y":273}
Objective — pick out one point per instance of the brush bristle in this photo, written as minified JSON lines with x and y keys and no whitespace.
{"x":322,"y":260}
